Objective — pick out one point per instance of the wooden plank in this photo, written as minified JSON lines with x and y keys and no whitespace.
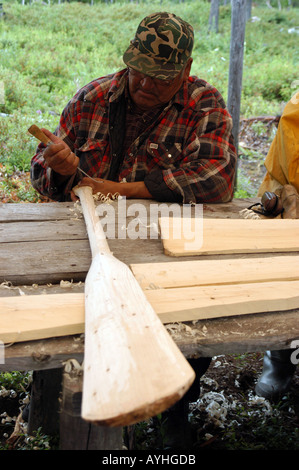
{"x":208,"y":272}
{"x":194,"y":303}
{"x":42,"y":354}
{"x":31,"y":254}
{"x":40,"y":231}
{"x":24,"y":212}
{"x":39,"y":316}
{"x":208,"y":337}
{"x":48,"y":315}
{"x":44,"y":261}
{"x":50,"y":261}
{"x":181,"y":236}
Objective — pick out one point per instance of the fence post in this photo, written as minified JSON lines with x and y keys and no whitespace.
{"x":238,"y":23}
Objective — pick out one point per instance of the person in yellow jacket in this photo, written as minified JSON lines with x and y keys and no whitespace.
{"x":282,"y":161}
{"x":282,"y":164}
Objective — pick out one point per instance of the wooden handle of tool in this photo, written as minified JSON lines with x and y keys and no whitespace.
{"x":96,"y":235}
{"x":38,"y":134}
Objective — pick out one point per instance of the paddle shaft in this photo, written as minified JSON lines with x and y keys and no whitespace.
{"x":97,"y":238}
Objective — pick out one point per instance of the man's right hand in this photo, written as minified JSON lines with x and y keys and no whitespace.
{"x":59,"y":156}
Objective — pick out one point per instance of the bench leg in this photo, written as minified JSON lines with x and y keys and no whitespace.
{"x":76,"y":433}
{"x":44,"y":402}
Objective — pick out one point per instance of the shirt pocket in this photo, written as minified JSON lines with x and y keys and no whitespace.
{"x":165,"y":154}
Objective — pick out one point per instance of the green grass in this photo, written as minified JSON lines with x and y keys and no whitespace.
{"x":49,"y":51}
{"x":16,"y":380}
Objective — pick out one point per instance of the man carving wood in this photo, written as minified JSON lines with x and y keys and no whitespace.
{"x":148,"y":131}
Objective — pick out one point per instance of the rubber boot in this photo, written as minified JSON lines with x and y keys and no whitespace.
{"x":175,"y":426}
{"x":277,"y":374}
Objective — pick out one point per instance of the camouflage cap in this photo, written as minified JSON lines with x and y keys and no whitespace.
{"x":162,"y":46}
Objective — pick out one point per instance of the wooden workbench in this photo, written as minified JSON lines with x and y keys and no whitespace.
{"x":44,"y":248}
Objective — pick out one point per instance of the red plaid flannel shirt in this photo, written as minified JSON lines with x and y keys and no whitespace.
{"x":188,"y":148}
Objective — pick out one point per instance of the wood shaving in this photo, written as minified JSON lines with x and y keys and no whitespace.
{"x":248,"y":214}
{"x":204,"y":330}
{"x":177,"y":329}
{"x":66,"y":284}
{"x":106,"y":198}
{"x":72,"y":365}
{"x":9,"y":285}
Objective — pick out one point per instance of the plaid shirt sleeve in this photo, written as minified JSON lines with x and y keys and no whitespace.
{"x":43,"y":179}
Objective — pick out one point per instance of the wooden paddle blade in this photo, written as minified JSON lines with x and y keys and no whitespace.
{"x":132,"y":368}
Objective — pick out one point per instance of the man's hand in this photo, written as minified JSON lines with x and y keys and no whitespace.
{"x":59,"y":156}
{"x":136,"y":190}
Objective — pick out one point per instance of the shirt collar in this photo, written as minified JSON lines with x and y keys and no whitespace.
{"x":118,"y":85}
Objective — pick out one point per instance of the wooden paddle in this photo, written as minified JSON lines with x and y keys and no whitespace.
{"x":132,"y":368}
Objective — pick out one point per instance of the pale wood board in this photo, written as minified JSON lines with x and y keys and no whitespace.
{"x":185,"y":236}
{"x":212,"y":272}
{"x":30,"y":317}
{"x":195,"y":303}
{"x":41,"y":316}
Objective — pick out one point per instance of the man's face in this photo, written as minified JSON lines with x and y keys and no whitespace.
{"x":147,"y":92}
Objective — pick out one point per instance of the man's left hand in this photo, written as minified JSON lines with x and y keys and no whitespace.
{"x":136,"y":189}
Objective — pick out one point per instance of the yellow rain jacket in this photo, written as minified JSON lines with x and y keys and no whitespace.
{"x":282,"y":161}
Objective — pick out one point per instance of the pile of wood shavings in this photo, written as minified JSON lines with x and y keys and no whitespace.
{"x":98,"y":197}
{"x":177,"y":329}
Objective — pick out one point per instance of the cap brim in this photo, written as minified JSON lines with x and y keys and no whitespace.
{"x":149,"y":66}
